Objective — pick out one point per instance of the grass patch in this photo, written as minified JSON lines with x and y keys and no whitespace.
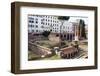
{"x":32,"y":56}
{"x":53,"y":57}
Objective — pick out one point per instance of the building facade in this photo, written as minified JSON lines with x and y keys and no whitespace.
{"x":39,"y":23}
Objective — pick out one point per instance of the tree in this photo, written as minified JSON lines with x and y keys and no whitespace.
{"x":63,"y":17}
{"x":82,"y":28}
{"x":46,"y":33}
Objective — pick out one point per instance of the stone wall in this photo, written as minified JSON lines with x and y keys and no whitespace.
{"x":39,"y":50}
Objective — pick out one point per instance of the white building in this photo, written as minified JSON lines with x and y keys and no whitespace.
{"x":34,"y":23}
{"x":68,"y":27}
{"x":40,"y":23}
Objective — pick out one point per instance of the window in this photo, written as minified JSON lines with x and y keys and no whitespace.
{"x":33,"y":18}
{"x":57,"y":35}
{"x":30,"y":21}
{"x":36,"y":26}
{"x":64,"y":35}
{"x":32,"y":30}
{"x":36,"y":30}
{"x":36,"y":21}
{"x":42,"y":22}
{"x":42,"y":26}
{"x":31,"y":25}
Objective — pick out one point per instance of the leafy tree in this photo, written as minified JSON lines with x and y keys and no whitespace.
{"x":63,"y":17}
{"x":46,"y":33}
{"x":82,"y":28}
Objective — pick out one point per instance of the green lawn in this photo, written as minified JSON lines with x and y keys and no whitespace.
{"x":48,"y":44}
{"x":52,"y":58}
{"x":32,"y":56}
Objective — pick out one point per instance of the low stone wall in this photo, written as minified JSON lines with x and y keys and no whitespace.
{"x":39,"y":50}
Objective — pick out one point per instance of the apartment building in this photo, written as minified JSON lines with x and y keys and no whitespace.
{"x":39,"y":23}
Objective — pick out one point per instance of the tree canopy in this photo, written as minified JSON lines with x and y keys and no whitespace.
{"x":82,"y":27}
{"x":63,"y":17}
{"x":46,"y":33}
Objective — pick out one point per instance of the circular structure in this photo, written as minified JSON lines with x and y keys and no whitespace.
{"x":68,"y":52}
